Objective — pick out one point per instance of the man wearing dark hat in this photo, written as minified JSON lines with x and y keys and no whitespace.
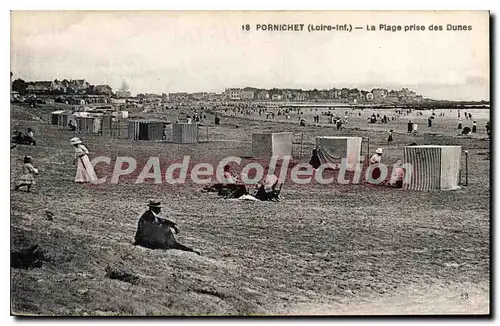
{"x":155,"y":232}
{"x":152,"y":215}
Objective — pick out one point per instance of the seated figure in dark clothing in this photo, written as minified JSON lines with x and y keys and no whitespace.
{"x":315,"y":161}
{"x":234,"y":190}
{"x":155,"y":232}
{"x":72,"y":125}
{"x":266,"y":190}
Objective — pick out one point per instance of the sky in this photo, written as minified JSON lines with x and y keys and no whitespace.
{"x":160,"y":51}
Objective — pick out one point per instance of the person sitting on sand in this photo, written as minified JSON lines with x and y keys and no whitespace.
{"x":315,"y":161}
{"x":375,"y":159}
{"x":29,"y":134}
{"x":266,"y":188}
{"x":27,"y":179}
{"x":229,"y":177}
{"x":466,"y":131}
{"x":154,"y":232}
{"x":17,"y":137}
{"x":397,"y":175}
{"x":72,"y":125}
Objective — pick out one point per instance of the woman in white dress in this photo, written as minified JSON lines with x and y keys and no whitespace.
{"x":84,"y":171}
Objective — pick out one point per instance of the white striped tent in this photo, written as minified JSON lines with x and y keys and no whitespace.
{"x":334,"y":149}
{"x":432,"y":167}
{"x":185,"y":133}
{"x":145,"y":130}
{"x":278,"y":144}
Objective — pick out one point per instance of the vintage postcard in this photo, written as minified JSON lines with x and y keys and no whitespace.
{"x":250,"y":163}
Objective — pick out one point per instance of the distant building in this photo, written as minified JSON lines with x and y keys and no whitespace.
{"x":199,"y":96}
{"x":369,"y":97}
{"x":79,"y":85}
{"x":60,"y":86}
{"x":178,"y":97}
{"x":263,"y":95}
{"x":119,"y":101}
{"x":103,"y":90}
{"x":287,"y":95}
{"x":379,"y":94}
{"x":96,"y":99}
{"x":123,"y":94}
{"x":232,"y":94}
{"x":335,"y":94}
{"x":214,"y":97}
{"x":40,"y":87}
{"x":276,"y":97}
{"x":300,"y":96}
{"x":247,"y":94}
{"x":392,"y":97}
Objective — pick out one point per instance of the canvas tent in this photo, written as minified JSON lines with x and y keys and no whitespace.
{"x":185,"y":133}
{"x":278,"y":144}
{"x":433,"y":167}
{"x":333,"y":149}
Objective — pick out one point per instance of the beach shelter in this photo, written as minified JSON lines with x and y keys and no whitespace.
{"x":89,"y":124}
{"x":185,"y":133}
{"x":278,"y":144}
{"x":145,"y":130}
{"x":432,"y":167}
{"x":55,"y":117}
{"x":332,"y":149}
{"x":62,"y":119}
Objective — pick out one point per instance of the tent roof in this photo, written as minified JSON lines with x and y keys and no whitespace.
{"x":431,"y":146}
{"x":337,"y":137}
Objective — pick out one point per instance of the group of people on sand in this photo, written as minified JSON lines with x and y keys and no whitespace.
{"x":233,"y":186}
{"x":27,"y":138}
{"x":467,"y":131}
{"x":153,"y":230}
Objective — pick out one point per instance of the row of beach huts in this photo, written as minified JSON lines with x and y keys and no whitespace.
{"x":99,"y":121}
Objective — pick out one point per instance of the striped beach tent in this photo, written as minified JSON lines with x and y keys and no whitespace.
{"x":432,"y":167}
